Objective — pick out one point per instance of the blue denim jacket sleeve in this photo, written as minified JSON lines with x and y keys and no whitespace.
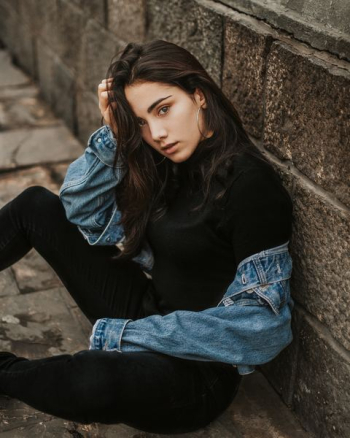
{"x":250,"y":326}
{"x":87,"y":194}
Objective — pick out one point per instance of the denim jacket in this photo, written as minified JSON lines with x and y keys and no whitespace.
{"x":251,"y":324}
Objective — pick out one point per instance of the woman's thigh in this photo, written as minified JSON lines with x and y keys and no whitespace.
{"x":101,"y":286}
{"x":149,"y":391}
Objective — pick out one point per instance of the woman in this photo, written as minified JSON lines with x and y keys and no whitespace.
{"x":171,"y":233}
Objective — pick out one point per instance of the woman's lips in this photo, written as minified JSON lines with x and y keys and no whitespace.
{"x":171,"y":149}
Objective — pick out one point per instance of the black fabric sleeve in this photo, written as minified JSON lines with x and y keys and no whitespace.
{"x":258,"y":212}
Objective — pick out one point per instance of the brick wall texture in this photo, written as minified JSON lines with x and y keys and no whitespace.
{"x":295,"y":104}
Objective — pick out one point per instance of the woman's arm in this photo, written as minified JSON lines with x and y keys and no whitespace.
{"x":250,"y":326}
{"x":87,"y":193}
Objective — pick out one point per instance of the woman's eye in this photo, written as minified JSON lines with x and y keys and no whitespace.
{"x":164,"y":107}
{"x":142,"y":123}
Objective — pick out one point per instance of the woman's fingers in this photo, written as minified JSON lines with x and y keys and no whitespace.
{"x":103,"y":85}
{"x":103,"y":103}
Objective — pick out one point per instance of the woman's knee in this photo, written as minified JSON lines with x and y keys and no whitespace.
{"x":38,"y":200}
{"x":36,"y":196}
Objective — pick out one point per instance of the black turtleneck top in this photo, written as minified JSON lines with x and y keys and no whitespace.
{"x":197,"y":253}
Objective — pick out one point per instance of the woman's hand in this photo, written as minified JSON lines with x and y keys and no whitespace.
{"x":105,"y":108}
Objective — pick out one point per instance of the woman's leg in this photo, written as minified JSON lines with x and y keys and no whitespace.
{"x":149,"y":391}
{"x":101,"y":287}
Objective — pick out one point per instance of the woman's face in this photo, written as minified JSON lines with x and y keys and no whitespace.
{"x":167,"y":115}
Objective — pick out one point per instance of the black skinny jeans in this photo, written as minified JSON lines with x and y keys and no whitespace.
{"x":150,"y":391}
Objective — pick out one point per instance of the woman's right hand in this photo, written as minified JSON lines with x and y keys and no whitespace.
{"x":105,"y":108}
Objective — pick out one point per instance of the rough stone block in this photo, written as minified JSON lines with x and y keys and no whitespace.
{"x":330,"y":14}
{"x":18,"y":93}
{"x":38,"y":325}
{"x":18,"y":420}
{"x":98,"y":50}
{"x":247,"y":42}
{"x":71,"y":24}
{"x":127,"y":19}
{"x":8,"y":19}
{"x":23,"y":109}
{"x":42,"y":17}
{"x":322,"y":387}
{"x":33,"y":273}
{"x":307,"y":115}
{"x":63,"y":93}
{"x":10,"y":75}
{"x":320,"y":250}
{"x":8,"y":285}
{"x":12,"y":184}
{"x":95,"y":9}
{"x":57,"y":172}
{"x":88,"y":114}
{"x":257,"y":412}
{"x":197,"y":26}
{"x":322,"y":24}
{"x":281,"y":371}
{"x":40,"y":145}
{"x":45,"y":58}
{"x":23,"y":49}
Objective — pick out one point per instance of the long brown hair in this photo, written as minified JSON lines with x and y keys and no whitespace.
{"x":144,"y":192}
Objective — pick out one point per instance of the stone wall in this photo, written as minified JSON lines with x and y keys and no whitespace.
{"x":294,"y":101}
{"x":324,"y":24}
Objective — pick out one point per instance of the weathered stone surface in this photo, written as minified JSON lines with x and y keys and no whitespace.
{"x":57,"y":173}
{"x":45,"y":58}
{"x":63,"y":93}
{"x":322,"y":386}
{"x":19,"y":110}
{"x":84,"y":324}
{"x":12,"y":184}
{"x":42,"y":17}
{"x":71,"y":26}
{"x":88,"y":114}
{"x":243,"y":79}
{"x":41,"y":145}
{"x":196,"y":26}
{"x":8,"y":19}
{"x":93,"y":9}
{"x":42,"y":325}
{"x":18,"y":420}
{"x":281,"y":371}
{"x":320,"y":250}
{"x":33,"y":273}
{"x":23,"y":49}
{"x":256,"y":411}
{"x":127,"y":19}
{"x":18,"y":93}
{"x":98,"y":49}
{"x":321,"y":23}
{"x":10,"y":75}
{"x":308,"y":116}
{"x":8,"y":285}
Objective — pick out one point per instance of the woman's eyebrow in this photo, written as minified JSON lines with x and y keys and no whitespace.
{"x":156,"y":103}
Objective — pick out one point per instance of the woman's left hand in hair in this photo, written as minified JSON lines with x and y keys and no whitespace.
{"x":104,"y":104}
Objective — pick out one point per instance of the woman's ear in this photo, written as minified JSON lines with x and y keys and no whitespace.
{"x":200,"y":98}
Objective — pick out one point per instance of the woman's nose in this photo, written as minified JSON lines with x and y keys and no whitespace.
{"x":158,"y":131}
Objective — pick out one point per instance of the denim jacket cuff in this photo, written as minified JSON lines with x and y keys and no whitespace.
{"x":103,"y":144}
{"x":107,"y":334}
